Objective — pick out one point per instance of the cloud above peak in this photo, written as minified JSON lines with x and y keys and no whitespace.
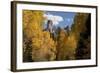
{"x":55,"y":18}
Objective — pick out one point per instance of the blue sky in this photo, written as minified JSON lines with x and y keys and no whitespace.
{"x":62,"y":18}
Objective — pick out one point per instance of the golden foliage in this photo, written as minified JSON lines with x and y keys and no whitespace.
{"x":41,"y":40}
{"x":44,"y":47}
{"x":72,"y":42}
{"x":32,"y":22}
{"x":66,"y":46}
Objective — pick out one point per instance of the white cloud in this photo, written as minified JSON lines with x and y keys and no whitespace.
{"x":55,"y":18}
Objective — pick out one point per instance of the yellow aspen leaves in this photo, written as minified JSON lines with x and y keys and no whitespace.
{"x":40,"y":39}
